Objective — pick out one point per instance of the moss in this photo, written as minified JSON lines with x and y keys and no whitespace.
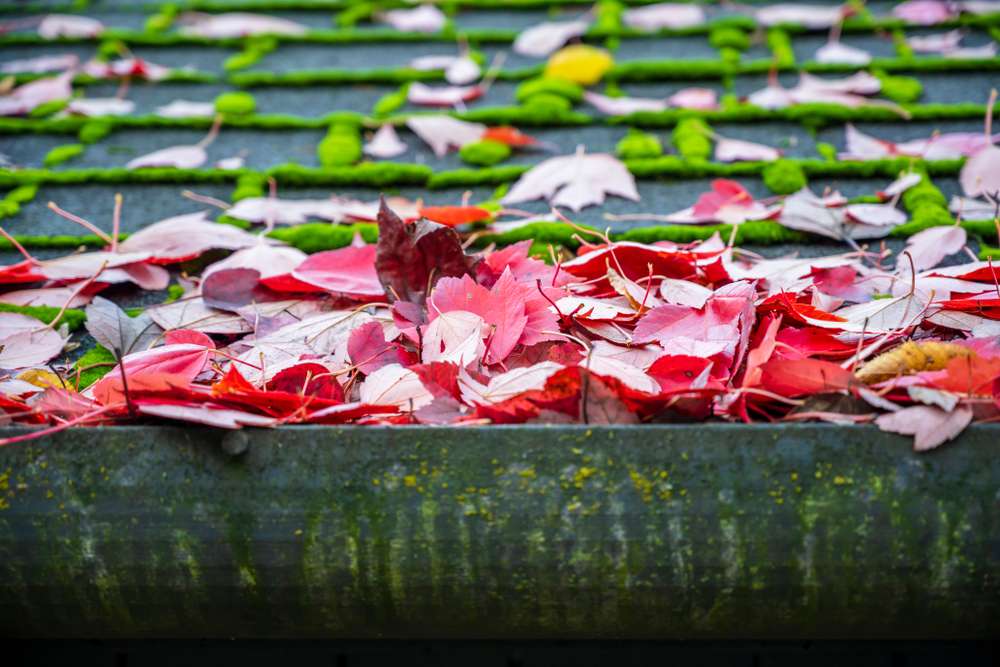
{"x":473,"y":177}
{"x":542,"y":85}
{"x":100,"y":358}
{"x":162,"y":20}
{"x":728,"y":37}
{"x":637,"y":144}
{"x":94,"y":130}
{"x":255,"y":48}
{"x":174,"y":292}
{"x":607,"y":17}
{"x":316,"y":237}
{"x":72,"y":317}
{"x":548,"y":103}
{"x":22,"y":194}
{"x":237,"y":103}
{"x":827,"y":151}
{"x":783,"y":177}
{"x":392,"y":102}
{"x":48,"y":108}
{"x":381,"y":174}
{"x":341,"y":146}
{"x":924,"y":218}
{"x":64,"y":153}
{"x":484,"y":153}
{"x":924,"y":195}
{"x":654,"y":70}
{"x":249,"y":185}
{"x":781,"y":48}
{"x":692,"y":139}
{"x":988,"y":252}
{"x":354,"y":14}
{"x":900,"y":89}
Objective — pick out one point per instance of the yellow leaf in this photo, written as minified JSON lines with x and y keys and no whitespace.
{"x":41,"y":378}
{"x":579,"y":63}
{"x":909,"y":358}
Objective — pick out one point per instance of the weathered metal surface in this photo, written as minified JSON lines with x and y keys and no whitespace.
{"x":673,"y":532}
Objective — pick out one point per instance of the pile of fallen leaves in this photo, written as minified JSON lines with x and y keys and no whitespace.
{"x":418,"y":330}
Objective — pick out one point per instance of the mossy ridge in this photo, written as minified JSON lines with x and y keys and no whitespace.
{"x":73,"y":318}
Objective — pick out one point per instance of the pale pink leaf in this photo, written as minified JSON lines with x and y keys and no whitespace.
{"x":541,"y":40}
{"x":441,"y":96}
{"x":26,"y":98}
{"x":878,"y":215}
{"x":507,"y":385}
{"x":462,"y":71}
{"x":186,"y":109}
{"x":663,"y":15}
{"x":349,"y":271}
{"x":55,"y":26}
{"x":184,"y":237}
{"x":980,"y":174}
{"x":972,"y":209}
{"x":622,"y":106}
{"x":809,"y":16}
{"x":237,"y":24}
{"x":930,"y":426}
{"x":684,"y":292}
{"x":40,"y":64}
{"x":736,"y":150}
{"x":923,"y":12}
{"x":929,"y":247}
{"x":266,"y":259}
{"x":575,"y":181}
{"x":935,"y":43}
{"x":203,"y":413}
{"x":837,"y":52}
{"x":425,"y":18}
{"x":100,"y":106}
{"x":385,"y":143}
{"x":705,"y":99}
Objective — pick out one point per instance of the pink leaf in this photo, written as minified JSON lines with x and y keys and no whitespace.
{"x":349,"y":271}
{"x":425,"y":18}
{"x":159,"y":369}
{"x":541,"y":40}
{"x":575,"y":181}
{"x":663,"y":15}
{"x":26,"y":98}
{"x":368,"y":349}
{"x":931,"y":426}
{"x":26,"y":341}
{"x":268,"y":260}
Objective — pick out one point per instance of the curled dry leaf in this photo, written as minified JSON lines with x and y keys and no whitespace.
{"x":575,"y":181}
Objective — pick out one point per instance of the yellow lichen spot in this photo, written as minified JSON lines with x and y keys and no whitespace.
{"x":528,"y":473}
{"x":642,"y":485}
{"x":819,"y":475}
{"x":794,"y":476}
{"x":298,"y":532}
{"x":840,"y":480}
{"x":410,"y":480}
{"x":376,"y":481}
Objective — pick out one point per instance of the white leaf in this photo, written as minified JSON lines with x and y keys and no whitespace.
{"x":100,"y":106}
{"x":55,"y":26}
{"x":931,"y":426}
{"x":28,"y":97}
{"x":929,"y":247}
{"x":462,"y":71}
{"x":237,"y":24}
{"x":180,"y":157}
{"x":186,"y":109}
{"x":877,"y":215}
{"x":622,"y":106}
{"x":575,"y":181}
{"x":809,"y":16}
{"x":980,"y":174}
{"x":541,"y":40}
{"x":972,"y":209}
{"x":385,"y":143}
{"x":507,"y":385}
{"x":663,"y":15}
{"x":928,"y":396}
{"x":684,"y":292}
{"x":425,"y":18}
{"x":736,"y":150}
{"x":455,"y":336}
{"x":443,"y":132}
{"x":40,"y":64}
{"x":441,"y":96}
{"x":695,"y":98}
{"x":842,"y":54}
{"x":395,"y":385}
